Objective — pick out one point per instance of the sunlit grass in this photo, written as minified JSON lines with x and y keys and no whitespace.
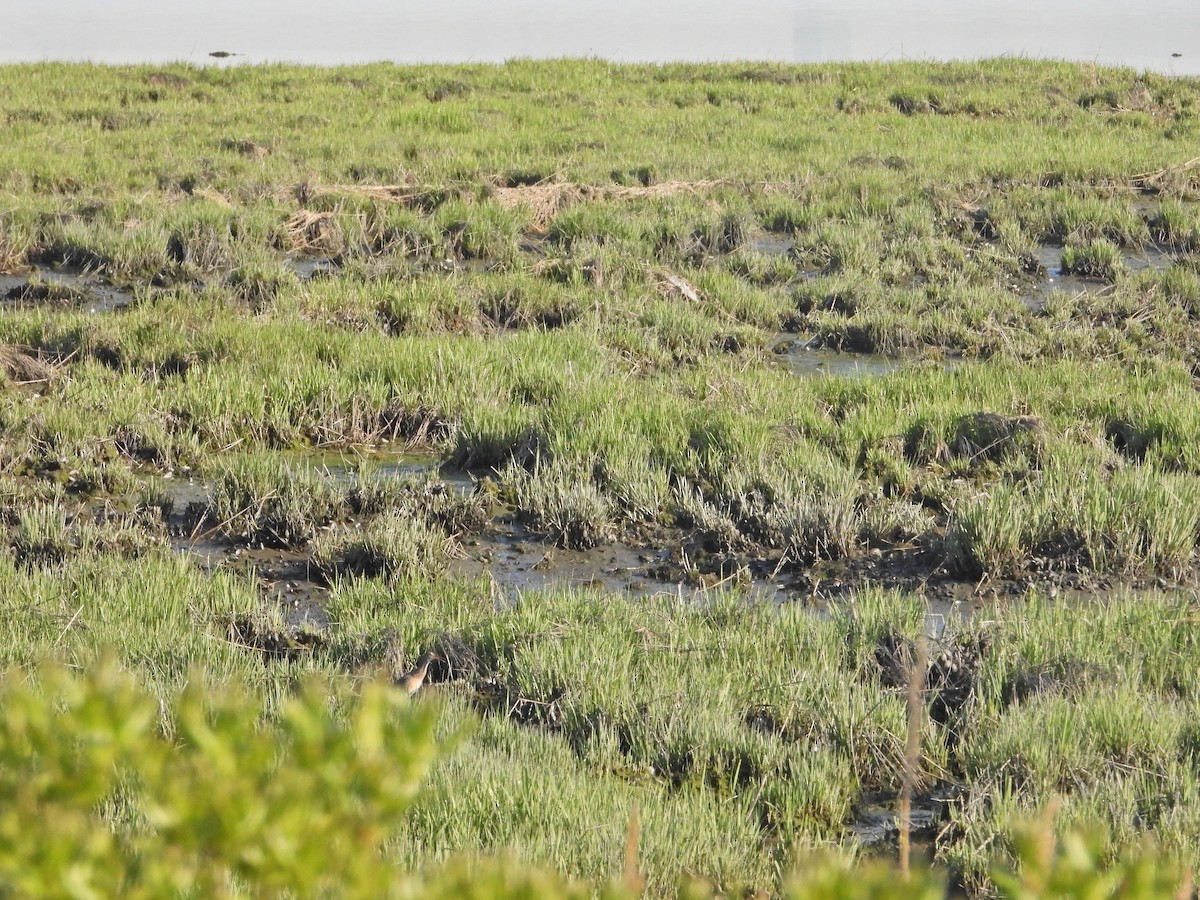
{"x":568,"y":279}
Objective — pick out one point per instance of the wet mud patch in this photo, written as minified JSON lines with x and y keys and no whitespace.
{"x":356,"y":467}
{"x":312,"y":268}
{"x":806,"y":360}
{"x":1153,"y":258}
{"x":286,"y":580}
{"x":294,"y":597}
{"x":63,"y":290}
{"x":688,"y":565}
{"x":1046,"y":271}
{"x":287,"y":502}
{"x":771,"y":244}
{"x":1049,"y":273}
{"x":267,"y":633}
{"x":519,"y":561}
{"x":923,"y":568}
{"x":807,"y":357}
{"x":877,"y":818}
{"x":472,"y":538}
{"x":295,"y":586}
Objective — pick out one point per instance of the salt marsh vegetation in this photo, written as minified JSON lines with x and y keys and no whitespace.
{"x":583,"y":293}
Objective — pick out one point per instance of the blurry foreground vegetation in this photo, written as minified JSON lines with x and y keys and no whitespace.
{"x":105,"y":792}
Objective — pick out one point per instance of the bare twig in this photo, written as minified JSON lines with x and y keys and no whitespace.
{"x":632,"y":877}
{"x":1166,"y":170}
{"x":67,"y":627}
{"x":912,"y":747}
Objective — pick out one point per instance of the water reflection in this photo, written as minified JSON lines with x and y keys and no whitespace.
{"x":316,"y":31}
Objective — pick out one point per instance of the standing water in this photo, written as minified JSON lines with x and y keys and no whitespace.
{"x":1159,"y":35}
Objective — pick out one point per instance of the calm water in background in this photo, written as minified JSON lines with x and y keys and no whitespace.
{"x":1118,"y":32}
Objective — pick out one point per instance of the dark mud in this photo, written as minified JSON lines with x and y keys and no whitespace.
{"x":671,"y":562}
{"x":187,"y":499}
{"x":877,"y":822}
{"x":518,"y":561}
{"x":922,"y":569}
{"x":348,"y":468}
{"x":287,"y":580}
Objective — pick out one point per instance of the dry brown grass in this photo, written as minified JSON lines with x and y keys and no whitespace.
{"x":22,"y":366}
{"x":13,"y":252}
{"x":1166,"y":177}
{"x":391,"y":193}
{"x":314,"y":232}
{"x":213,"y":196}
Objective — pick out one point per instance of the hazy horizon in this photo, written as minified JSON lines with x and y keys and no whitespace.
{"x":311,"y":31}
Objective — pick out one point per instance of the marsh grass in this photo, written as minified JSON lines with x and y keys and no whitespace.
{"x":159,"y":614}
{"x":389,"y":546}
{"x":1175,"y":225}
{"x":260,"y":500}
{"x":1090,"y":704}
{"x":683,"y":699}
{"x":14,"y":247}
{"x":107,"y":770}
{"x":505,"y":768}
{"x":564,"y":502}
{"x":1098,"y":259}
{"x":47,"y":535}
{"x":552,"y":275}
